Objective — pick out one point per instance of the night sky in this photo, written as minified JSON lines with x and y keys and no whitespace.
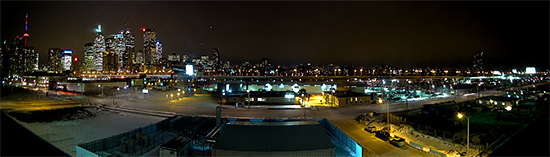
{"x":403,"y":34}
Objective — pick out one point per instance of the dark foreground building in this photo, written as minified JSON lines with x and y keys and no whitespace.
{"x":297,"y":138}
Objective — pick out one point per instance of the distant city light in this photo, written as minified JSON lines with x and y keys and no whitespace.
{"x":530,"y":70}
{"x":189,"y":70}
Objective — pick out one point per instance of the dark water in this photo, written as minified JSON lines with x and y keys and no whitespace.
{"x":534,"y":140}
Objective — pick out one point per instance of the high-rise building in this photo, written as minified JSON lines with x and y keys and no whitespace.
{"x":67,"y":59}
{"x":478,"y":61}
{"x":129,"y":43}
{"x":216,"y":58}
{"x":158,"y":54}
{"x":139,"y":57}
{"x":55,"y":58}
{"x":89,"y":56}
{"x":110,"y":61}
{"x":174,"y":57}
{"x":150,"y":46}
{"x":115,"y":44}
{"x":99,"y":49}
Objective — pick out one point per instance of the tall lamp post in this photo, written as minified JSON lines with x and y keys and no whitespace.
{"x":460,"y":115}
{"x":99,"y":86}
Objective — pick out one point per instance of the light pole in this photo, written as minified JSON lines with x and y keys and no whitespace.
{"x":248,"y":91}
{"x":99,"y":86}
{"x":114,"y":96}
{"x":388,"y":113}
{"x":468,"y":134}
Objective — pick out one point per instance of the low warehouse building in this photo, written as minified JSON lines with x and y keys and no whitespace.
{"x":299,"y":138}
{"x":339,"y":98}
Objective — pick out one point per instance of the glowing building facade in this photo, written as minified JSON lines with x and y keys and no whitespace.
{"x":55,"y":58}
{"x":89,"y":56}
{"x":99,"y":49}
{"x":150,"y":46}
{"x":67,"y":59}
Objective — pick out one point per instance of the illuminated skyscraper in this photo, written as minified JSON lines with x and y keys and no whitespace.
{"x":216,"y":59}
{"x":150,"y":46}
{"x":158,"y":54}
{"x":67,"y":59}
{"x":89,"y":56}
{"x":55,"y":56}
{"x":115,"y":44}
{"x":478,"y":61}
{"x":99,"y":49}
{"x":129,"y":43}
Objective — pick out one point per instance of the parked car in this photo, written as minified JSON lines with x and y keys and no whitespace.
{"x":370,"y":129}
{"x":382,"y":135}
{"x":397,"y":142}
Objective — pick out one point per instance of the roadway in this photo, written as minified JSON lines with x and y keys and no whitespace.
{"x":343,"y":117}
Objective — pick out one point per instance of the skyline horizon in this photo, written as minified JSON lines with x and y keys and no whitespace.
{"x":424,"y":50}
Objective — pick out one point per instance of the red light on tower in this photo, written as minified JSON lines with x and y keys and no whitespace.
{"x":143,"y":29}
{"x":76,"y":59}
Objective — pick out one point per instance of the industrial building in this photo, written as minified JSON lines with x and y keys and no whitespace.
{"x":339,"y":98}
{"x":261,"y":97}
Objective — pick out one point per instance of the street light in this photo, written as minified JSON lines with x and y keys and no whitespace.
{"x":468,"y":134}
{"x":99,"y":86}
{"x":387,"y":112}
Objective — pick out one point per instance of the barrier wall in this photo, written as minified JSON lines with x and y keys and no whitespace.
{"x":342,"y":137}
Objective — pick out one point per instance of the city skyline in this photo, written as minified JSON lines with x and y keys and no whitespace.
{"x":405,"y":34}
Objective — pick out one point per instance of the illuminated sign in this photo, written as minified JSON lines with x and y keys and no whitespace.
{"x":189,"y":70}
{"x":145,"y":91}
{"x":288,"y":96}
{"x":530,"y":70}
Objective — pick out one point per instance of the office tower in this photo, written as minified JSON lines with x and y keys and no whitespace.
{"x":55,"y":56}
{"x":99,"y":49}
{"x":478,"y":61}
{"x":110,"y":61}
{"x":67,"y":59}
{"x":129,"y":55}
{"x":216,"y":63}
{"x":158,"y":54}
{"x":115,"y":44}
{"x":89,"y":56}
{"x":174,"y":57}
{"x":149,"y":46}
{"x":139,"y":57}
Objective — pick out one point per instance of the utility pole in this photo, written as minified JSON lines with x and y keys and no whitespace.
{"x":388,"y":113}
